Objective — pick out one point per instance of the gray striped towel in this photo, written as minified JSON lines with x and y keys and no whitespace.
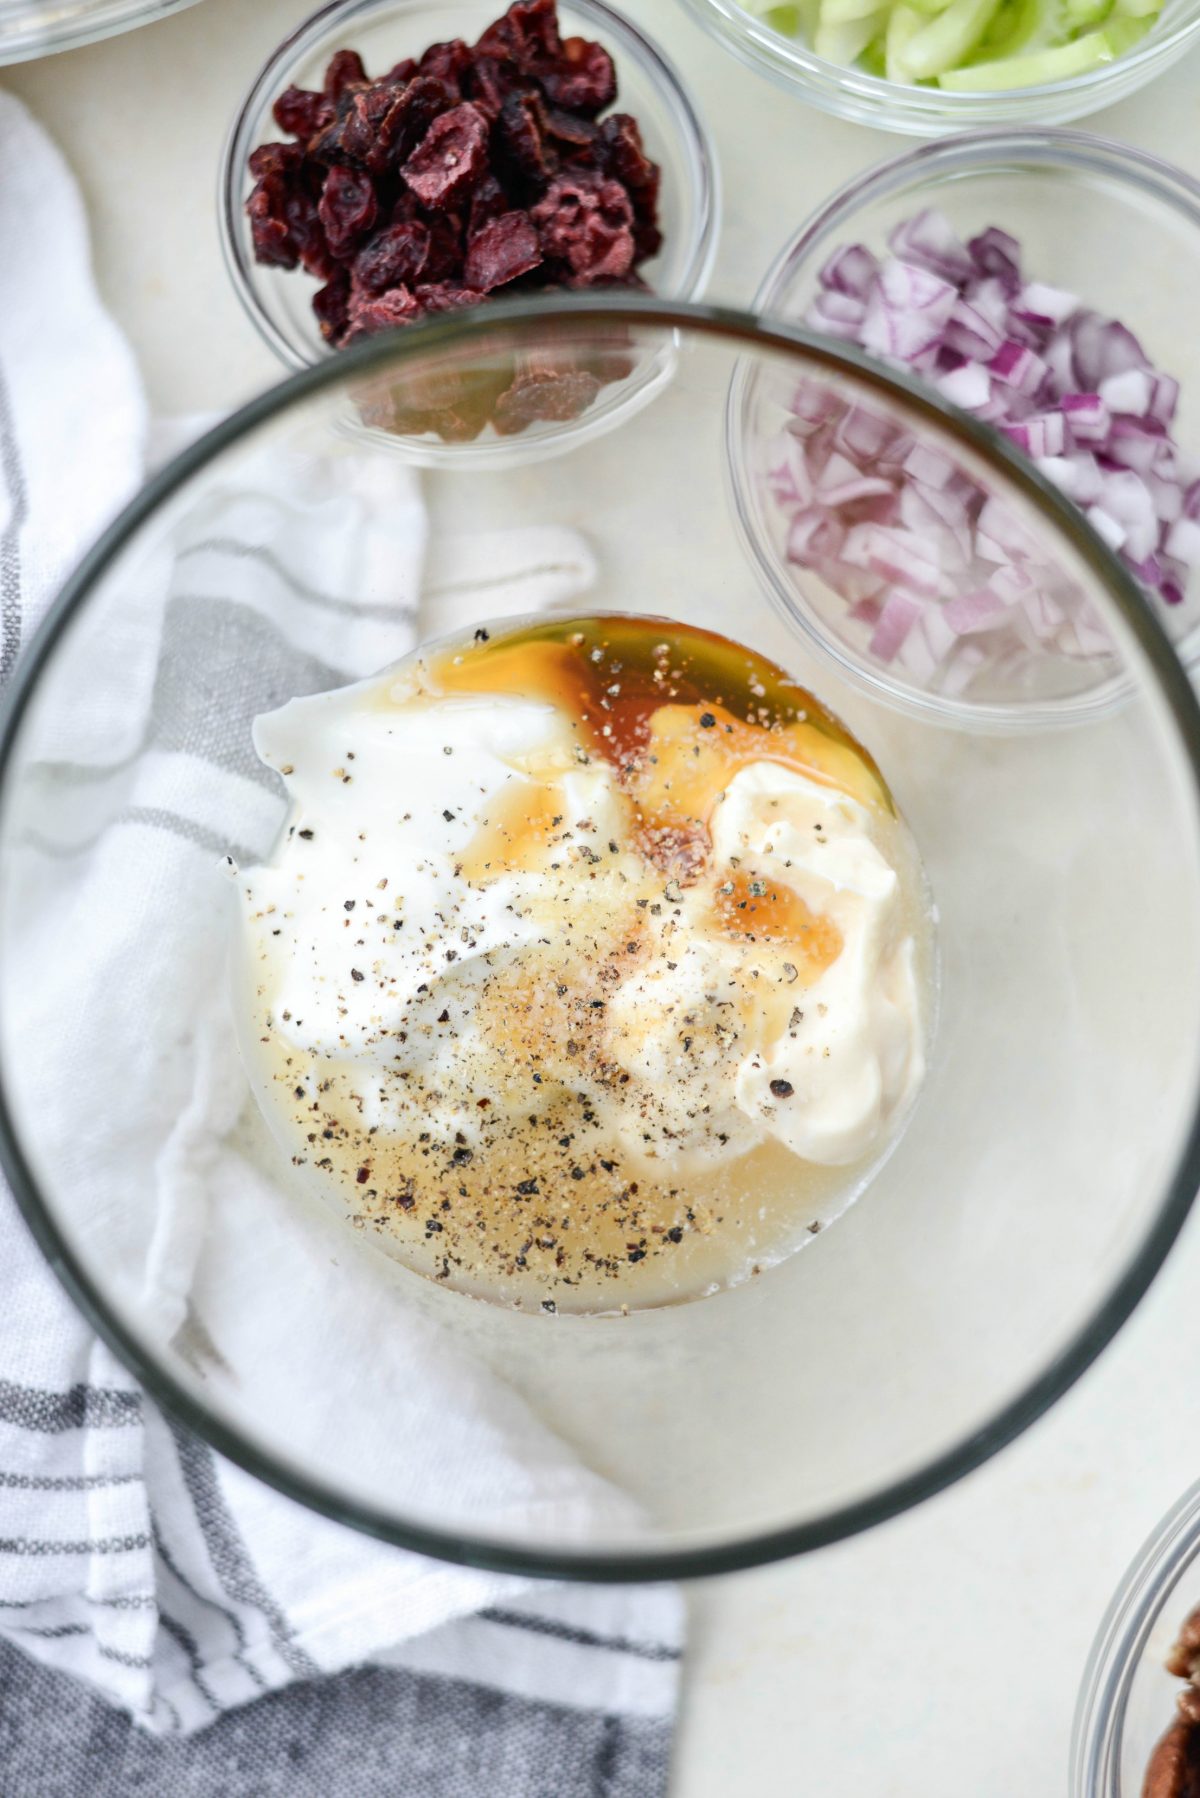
{"x":171,"y":1586}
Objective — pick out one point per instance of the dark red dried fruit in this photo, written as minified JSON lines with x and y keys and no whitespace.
{"x":521,"y":138}
{"x":544,"y":394}
{"x":450,"y":158}
{"x":584,"y":80}
{"x":528,"y":34}
{"x":345,"y":67}
{"x":621,"y":154}
{"x":393,"y":257}
{"x":447,"y":296}
{"x":276,"y":159}
{"x":585,"y":222}
{"x":501,"y":251}
{"x":488,"y":82}
{"x":348,"y":208}
{"x":1174,"y":1770}
{"x":446,"y":246}
{"x":487,"y":202}
{"x":302,"y":113}
{"x":370,"y":313}
{"x":448,"y":62}
{"x":451,"y":178}
{"x":269,"y":230}
{"x":370,"y":119}
{"x":574,"y":138}
{"x":331,"y":304}
{"x":284,"y":225}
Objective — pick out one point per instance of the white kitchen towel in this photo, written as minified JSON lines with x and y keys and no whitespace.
{"x":130,"y":1555}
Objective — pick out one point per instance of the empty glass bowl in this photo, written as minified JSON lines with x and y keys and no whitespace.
{"x":1127,"y":1697}
{"x":851,"y":93}
{"x":1054,"y":1148}
{"x":1132,"y":253}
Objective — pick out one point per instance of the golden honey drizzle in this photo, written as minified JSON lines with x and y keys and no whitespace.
{"x":550,"y":1211}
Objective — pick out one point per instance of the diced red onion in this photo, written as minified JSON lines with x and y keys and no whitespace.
{"x":926,"y":562}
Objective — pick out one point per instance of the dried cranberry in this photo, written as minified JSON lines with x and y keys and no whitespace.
{"x":528,"y":34}
{"x":585,"y":222}
{"x":302,"y":113}
{"x":425,"y":99}
{"x":393,"y":257}
{"x":446,"y":296}
{"x":331,"y":305}
{"x":284,"y":225}
{"x":446,"y":235}
{"x":487,"y":202}
{"x":501,"y":251}
{"x":520,"y":135}
{"x":574,"y":138}
{"x":269,"y":230}
{"x":308,"y":233}
{"x":370,"y":120}
{"x":543,"y":392}
{"x":370,"y":313}
{"x":488,"y":82}
{"x":345,"y":67}
{"x":450,"y":159}
{"x":619,"y":151}
{"x":402,"y":71}
{"x":584,"y":80}
{"x":348,"y":208}
{"x":447,"y":62}
{"x":276,"y":159}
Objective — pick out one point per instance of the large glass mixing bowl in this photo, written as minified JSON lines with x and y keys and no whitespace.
{"x":1051,"y":1156}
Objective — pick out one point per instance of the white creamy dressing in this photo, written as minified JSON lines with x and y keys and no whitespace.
{"x":370,"y":950}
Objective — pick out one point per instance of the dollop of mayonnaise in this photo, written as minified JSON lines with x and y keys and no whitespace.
{"x":464,"y":986}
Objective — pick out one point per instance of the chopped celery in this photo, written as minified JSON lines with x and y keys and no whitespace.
{"x":1083,"y":14}
{"x":846,"y":43}
{"x":847,"y":12}
{"x":964,"y":46}
{"x":949,"y":39}
{"x":1057,"y":64}
{"x":903,"y":26}
{"x":873,"y":59}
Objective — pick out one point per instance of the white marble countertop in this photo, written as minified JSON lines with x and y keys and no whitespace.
{"x":937,"y":1657}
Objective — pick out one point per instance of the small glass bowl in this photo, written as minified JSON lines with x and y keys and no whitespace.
{"x":1127,"y":1697}
{"x":30,"y":28}
{"x":278,"y":301}
{"x":1132,"y":250}
{"x":849,"y":93}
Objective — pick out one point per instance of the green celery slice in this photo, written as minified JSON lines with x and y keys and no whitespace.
{"x":847,"y":12}
{"x":1059,"y":63}
{"x":948,"y":40}
{"x":903,"y":26}
{"x":846,"y":43}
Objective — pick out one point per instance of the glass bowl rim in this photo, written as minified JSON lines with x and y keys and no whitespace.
{"x":793,"y":63}
{"x":700,"y":155}
{"x":736,"y":329}
{"x":980,"y":152}
{"x":1141,"y":1595}
{"x":85,"y":26}
{"x":980,"y":148}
